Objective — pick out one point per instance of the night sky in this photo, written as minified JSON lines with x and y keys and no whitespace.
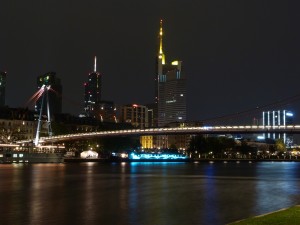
{"x":237,"y":54}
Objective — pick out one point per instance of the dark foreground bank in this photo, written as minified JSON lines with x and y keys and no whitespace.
{"x":290,"y":216}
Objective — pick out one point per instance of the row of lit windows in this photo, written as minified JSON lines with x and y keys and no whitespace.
{"x":10,"y":123}
{"x":14,"y":155}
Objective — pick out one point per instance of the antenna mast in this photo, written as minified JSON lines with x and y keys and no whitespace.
{"x":95,"y":64}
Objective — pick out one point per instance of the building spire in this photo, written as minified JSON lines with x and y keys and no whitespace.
{"x":95,"y":64}
{"x":161,"y":54}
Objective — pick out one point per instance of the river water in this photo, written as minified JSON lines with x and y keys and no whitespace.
{"x":145,"y":193}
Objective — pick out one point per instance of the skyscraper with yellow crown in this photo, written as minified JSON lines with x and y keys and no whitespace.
{"x":170,"y":89}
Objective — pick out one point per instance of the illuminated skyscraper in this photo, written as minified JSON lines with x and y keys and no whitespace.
{"x":170,"y":89}
{"x":92,"y":92}
{"x":54,"y":94}
{"x":2,"y":88}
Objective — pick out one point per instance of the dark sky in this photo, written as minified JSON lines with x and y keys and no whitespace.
{"x":237,"y":54}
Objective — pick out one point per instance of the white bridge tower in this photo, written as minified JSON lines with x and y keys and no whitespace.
{"x":44,"y":90}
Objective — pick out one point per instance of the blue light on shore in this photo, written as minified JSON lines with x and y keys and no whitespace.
{"x":156,"y":156}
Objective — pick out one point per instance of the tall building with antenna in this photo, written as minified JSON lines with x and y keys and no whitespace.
{"x":2,"y":88}
{"x":170,"y":89}
{"x":92,"y":91}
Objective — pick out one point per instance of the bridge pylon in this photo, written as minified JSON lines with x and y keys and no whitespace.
{"x":45,"y":89}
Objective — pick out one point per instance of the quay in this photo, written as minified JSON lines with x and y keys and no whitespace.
{"x":79,"y":160}
{"x":244,"y":160}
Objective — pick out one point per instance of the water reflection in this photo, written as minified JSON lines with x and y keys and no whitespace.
{"x":145,"y":193}
{"x":274,"y":181}
{"x":210,"y":209}
{"x":43,"y":198}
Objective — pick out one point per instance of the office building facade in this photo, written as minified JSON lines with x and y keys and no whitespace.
{"x":136,"y":115}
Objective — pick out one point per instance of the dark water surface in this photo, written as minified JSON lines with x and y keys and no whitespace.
{"x":145,"y":193}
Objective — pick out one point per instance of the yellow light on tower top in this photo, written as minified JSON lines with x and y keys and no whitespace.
{"x":160,"y":38}
{"x":161,"y":54}
{"x":175,"y":63}
{"x":161,"y":30}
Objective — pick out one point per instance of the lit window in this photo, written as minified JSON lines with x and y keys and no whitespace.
{"x":15,"y":155}
{"x":21,"y":155}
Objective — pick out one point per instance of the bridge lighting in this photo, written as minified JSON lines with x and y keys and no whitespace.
{"x":180,"y":130}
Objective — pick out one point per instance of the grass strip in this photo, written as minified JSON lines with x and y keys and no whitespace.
{"x":289,"y":216}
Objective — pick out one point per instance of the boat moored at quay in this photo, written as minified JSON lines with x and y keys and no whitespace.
{"x":150,"y":157}
{"x":14,"y":153}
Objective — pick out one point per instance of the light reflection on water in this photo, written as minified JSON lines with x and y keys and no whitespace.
{"x":145,"y":193}
{"x":277,"y":182}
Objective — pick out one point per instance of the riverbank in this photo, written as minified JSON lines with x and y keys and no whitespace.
{"x":289,"y":216}
{"x":78,"y":160}
{"x":74,"y":160}
{"x":245,"y":160}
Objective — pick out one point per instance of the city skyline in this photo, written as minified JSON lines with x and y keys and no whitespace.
{"x":237,"y":55}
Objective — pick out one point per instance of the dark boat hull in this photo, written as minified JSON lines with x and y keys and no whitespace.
{"x":28,"y":157}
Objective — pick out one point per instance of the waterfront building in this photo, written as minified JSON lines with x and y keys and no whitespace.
{"x":146,"y":142}
{"x":2,"y":88}
{"x":16,"y":124}
{"x":136,"y":115}
{"x":181,"y":142}
{"x":92,"y":92}
{"x":160,"y":142}
{"x":278,"y":118}
{"x":54,"y":93}
{"x":170,"y":89}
